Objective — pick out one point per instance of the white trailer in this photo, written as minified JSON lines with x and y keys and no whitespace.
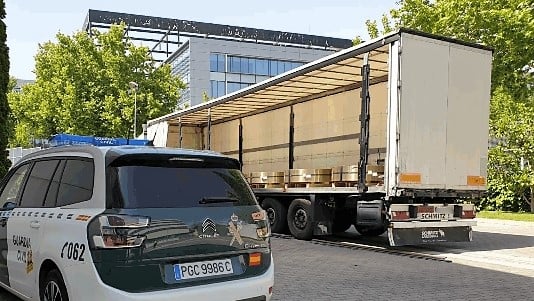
{"x":388,"y":135}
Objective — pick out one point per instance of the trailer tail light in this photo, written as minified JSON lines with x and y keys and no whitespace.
{"x":400,"y":215}
{"x":118,"y":231}
{"x":464,"y":211}
{"x":468,"y":214}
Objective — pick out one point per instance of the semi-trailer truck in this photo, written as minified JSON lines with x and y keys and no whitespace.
{"x":389,"y":136}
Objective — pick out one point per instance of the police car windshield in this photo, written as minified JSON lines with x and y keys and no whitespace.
{"x":172,"y":186}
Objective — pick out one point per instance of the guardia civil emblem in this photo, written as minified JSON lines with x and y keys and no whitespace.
{"x":234,"y":229}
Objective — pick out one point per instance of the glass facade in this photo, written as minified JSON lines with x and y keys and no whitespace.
{"x":226,"y":73}
{"x":217,"y":62}
{"x":217,"y":88}
{"x":181,"y":66}
{"x":234,"y":86}
{"x":246,"y":67}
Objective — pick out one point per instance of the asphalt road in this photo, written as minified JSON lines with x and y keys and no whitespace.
{"x":308,"y":271}
{"x":497,"y":265}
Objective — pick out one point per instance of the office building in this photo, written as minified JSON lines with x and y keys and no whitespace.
{"x":213,"y":59}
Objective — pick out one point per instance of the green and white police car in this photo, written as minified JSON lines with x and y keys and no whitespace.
{"x":132,"y":223}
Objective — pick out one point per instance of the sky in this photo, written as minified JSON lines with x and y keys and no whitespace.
{"x":30,"y":22}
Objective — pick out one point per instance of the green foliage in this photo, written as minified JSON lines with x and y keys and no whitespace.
{"x":372,"y":27}
{"x":82,"y":87}
{"x":205,"y":97}
{"x":510,"y":176}
{"x":524,"y":217}
{"x":508,"y":27}
{"x":4,"y":81}
{"x":357,"y":40}
{"x":505,"y":25}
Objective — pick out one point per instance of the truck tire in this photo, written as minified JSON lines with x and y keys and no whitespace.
{"x":342,"y":222}
{"x":299,"y":219}
{"x":370,"y":230}
{"x":277,"y":214}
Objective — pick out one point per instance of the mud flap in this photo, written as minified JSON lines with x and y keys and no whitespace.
{"x":428,"y":235}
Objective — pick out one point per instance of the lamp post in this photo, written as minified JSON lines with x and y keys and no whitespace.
{"x":134,"y":86}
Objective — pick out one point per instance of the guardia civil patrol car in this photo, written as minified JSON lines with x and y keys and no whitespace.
{"x":132,"y":223}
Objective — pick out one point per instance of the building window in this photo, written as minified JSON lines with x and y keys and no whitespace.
{"x":234,"y":64}
{"x":248,"y":65}
{"x":216,"y":88}
{"x":232,"y":87}
{"x":235,"y":86}
{"x":245,"y":66}
{"x":217,"y":62}
{"x":273,"y":68}
{"x":262,"y":67}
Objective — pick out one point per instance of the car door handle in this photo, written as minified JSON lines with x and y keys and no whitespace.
{"x":35,"y":224}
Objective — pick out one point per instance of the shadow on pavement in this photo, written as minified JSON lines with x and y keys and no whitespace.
{"x":482,"y":241}
{"x":332,"y":273}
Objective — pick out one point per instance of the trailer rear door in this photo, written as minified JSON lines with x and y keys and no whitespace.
{"x":441,"y":127}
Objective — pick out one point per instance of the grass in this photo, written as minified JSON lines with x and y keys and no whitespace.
{"x":514,"y":216}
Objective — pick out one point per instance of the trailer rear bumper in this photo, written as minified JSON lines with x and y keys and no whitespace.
{"x":416,"y":233}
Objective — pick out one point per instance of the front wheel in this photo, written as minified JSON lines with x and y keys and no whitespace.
{"x":53,"y":287}
{"x":299,"y":219}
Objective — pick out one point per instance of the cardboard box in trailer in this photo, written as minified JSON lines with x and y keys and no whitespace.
{"x":390,"y":135}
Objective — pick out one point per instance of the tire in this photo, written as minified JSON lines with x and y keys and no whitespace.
{"x":277,"y":213}
{"x":370,"y":231}
{"x":342,"y":222}
{"x":53,"y":287}
{"x":299,"y":219}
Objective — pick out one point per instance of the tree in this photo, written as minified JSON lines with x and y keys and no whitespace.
{"x":508,"y":27}
{"x":82,"y":87}
{"x":505,"y":25}
{"x":511,"y":162}
{"x":4,"y":80}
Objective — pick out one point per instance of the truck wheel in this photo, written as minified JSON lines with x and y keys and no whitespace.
{"x":370,"y":231}
{"x":53,"y":287}
{"x":342,"y":222}
{"x":299,"y":219}
{"x":277,"y":214}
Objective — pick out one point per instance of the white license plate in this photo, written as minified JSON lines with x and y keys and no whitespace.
{"x":203,"y":269}
{"x":434,"y":216}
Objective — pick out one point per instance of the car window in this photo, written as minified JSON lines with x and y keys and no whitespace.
{"x":51,"y":195}
{"x":176,"y":187}
{"x":38,"y":183}
{"x":76,"y":182}
{"x":13,"y":186}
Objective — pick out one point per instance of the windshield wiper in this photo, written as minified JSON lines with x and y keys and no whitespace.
{"x":213,"y":200}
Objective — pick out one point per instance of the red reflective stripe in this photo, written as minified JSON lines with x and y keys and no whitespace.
{"x":399,"y":215}
{"x":425,"y":209}
{"x":468,"y":214}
